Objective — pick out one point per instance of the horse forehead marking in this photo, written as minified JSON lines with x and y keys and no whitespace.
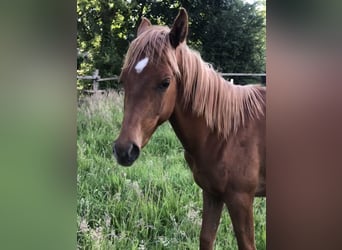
{"x":139,"y":67}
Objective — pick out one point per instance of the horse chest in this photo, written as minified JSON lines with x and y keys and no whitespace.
{"x":210,"y":177}
{"x":209,"y":182}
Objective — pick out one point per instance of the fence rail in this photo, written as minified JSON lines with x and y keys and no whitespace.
{"x":96,"y":78}
{"x":243,"y":74}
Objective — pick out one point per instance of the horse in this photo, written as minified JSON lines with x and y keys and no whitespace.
{"x":220,"y":125}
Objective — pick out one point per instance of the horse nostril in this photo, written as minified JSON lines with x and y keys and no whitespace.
{"x":125,"y":153}
{"x":133,"y":152}
{"x":114,"y":151}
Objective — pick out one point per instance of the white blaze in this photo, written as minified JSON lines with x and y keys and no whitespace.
{"x":141,"y":65}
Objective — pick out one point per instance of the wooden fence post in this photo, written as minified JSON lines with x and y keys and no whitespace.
{"x":96,"y":77}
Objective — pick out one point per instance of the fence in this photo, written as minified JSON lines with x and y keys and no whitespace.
{"x":96,"y":78}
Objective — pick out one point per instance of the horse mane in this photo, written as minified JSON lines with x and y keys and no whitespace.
{"x":154,"y":44}
{"x":225,"y":107}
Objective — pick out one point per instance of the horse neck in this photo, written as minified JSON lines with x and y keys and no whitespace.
{"x":189,"y":128}
{"x":197,"y":114}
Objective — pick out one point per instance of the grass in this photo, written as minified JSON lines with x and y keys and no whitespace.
{"x":155,"y":204}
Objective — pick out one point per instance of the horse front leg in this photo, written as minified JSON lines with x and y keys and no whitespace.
{"x":240,"y":207}
{"x":212,"y":209}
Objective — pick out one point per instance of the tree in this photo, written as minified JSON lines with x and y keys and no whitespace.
{"x":102,"y":27}
{"x":228,"y":33}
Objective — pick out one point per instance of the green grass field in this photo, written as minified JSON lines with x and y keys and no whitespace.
{"x":155,"y":204}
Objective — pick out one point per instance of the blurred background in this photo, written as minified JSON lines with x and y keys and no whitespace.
{"x":38,"y":114}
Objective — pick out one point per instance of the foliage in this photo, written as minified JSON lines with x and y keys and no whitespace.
{"x":230,"y":34}
{"x":154,"y":204}
{"x":231,"y":39}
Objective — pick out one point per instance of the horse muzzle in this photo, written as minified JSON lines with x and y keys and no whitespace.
{"x":125,"y":153}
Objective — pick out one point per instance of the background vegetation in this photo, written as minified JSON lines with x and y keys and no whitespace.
{"x":230,"y":34}
{"x":154,"y":204}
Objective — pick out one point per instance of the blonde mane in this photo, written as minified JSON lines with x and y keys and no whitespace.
{"x":225,"y":107}
{"x":154,"y":44}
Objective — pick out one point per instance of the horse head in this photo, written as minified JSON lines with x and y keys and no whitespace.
{"x":150,"y":76}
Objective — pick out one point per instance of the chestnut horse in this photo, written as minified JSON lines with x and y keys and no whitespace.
{"x":220,"y":125}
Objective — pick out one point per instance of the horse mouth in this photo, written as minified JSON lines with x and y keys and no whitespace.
{"x":125,"y":162}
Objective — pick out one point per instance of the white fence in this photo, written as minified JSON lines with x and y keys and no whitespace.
{"x":96,"y":78}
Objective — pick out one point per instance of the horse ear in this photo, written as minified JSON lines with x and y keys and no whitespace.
{"x":179,"y":30}
{"x":144,"y":25}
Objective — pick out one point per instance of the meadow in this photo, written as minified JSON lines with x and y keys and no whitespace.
{"x":154,"y":204}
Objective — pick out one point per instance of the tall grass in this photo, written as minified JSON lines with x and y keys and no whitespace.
{"x":154,"y":204}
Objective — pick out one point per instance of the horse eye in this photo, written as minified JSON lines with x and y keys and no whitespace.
{"x":164,"y":84}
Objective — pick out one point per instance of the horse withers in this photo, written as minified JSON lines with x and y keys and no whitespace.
{"x":220,"y":125}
